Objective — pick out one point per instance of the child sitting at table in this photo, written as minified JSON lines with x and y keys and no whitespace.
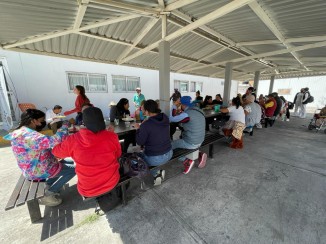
{"x":177,"y":116}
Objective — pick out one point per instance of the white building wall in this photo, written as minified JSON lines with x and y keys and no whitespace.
{"x":42,"y":80}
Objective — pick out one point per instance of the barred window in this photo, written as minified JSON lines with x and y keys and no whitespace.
{"x":91,"y":82}
{"x":121,"y":83}
{"x":196,"y":86}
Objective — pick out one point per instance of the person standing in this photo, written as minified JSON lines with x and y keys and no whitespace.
{"x":298,"y":102}
{"x":79,"y":102}
{"x":138,"y":98}
{"x":305,"y":97}
{"x":193,"y":133}
{"x":54,"y":123}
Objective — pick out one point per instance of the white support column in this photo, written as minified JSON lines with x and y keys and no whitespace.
{"x":271,"y":85}
{"x":164,"y":76}
{"x":164,"y":70}
{"x":256,"y":80}
{"x":227,"y":83}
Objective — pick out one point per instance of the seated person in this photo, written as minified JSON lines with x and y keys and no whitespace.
{"x":139,"y":114}
{"x":252,"y":113}
{"x":34,"y":157}
{"x":218,"y":99}
{"x":176,"y":116}
{"x":208,"y":102}
{"x":95,"y":151}
{"x":198,"y":99}
{"x":322,"y":117}
{"x":120,"y":110}
{"x":54,"y":123}
{"x":236,"y":124}
{"x":153,"y":134}
{"x":193,"y":133}
{"x":270,"y":107}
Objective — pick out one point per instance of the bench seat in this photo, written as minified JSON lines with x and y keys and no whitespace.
{"x":28,"y":192}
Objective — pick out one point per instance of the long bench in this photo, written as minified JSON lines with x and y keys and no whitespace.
{"x":209,"y":141}
{"x":28,"y":192}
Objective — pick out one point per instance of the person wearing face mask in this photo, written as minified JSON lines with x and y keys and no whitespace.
{"x":34,"y":157}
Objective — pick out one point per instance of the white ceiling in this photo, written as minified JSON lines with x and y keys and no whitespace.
{"x":285,"y":38}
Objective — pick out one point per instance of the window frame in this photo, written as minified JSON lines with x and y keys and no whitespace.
{"x":126,"y":85}
{"x":87,"y":88}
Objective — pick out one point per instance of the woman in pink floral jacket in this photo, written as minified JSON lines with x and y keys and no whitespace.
{"x":33,"y":153}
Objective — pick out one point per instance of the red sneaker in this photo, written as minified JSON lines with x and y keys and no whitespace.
{"x":188,"y":163}
{"x":202,"y":160}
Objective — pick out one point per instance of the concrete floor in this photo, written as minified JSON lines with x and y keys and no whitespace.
{"x":272,"y":191}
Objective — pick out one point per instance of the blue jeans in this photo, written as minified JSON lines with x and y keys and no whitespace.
{"x":67,"y":173}
{"x":156,"y":160}
{"x":180,"y":143}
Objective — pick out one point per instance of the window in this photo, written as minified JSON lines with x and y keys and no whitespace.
{"x":184,"y":86}
{"x":91,"y":82}
{"x":196,"y":86}
{"x":121,"y":83}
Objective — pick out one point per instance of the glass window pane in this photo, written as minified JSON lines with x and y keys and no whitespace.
{"x":75,"y":79}
{"x":177,"y":84}
{"x":118,"y":83}
{"x":132,"y":83}
{"x":193,"y":86}
{"x":199,"y":86}
{"x":97,"y":82}
{"x":184,"y":86}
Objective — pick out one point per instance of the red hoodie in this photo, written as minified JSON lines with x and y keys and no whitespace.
{"x":96,"y":157}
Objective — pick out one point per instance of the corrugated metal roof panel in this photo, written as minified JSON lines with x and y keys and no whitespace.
{"x":21,"y":19}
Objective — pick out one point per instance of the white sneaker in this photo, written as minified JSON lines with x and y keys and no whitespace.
{"x":158,"y":179}
{"x":259,"y":126}
{"x":287,"y":119}
{"x":51,"y":200}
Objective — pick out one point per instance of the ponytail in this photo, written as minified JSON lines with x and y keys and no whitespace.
{"x":236,"y":101}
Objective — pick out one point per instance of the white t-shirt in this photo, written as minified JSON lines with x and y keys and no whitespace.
{"x":50,"y":115}
{"x":237,"y":114}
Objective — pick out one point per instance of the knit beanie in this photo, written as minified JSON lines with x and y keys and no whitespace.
{"x":93,"y":119}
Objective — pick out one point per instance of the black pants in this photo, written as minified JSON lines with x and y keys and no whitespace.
{"x":173,"y":128}
{"x":130,"y":138}
{"x":55,"y":126}
{"x":287,"y":113}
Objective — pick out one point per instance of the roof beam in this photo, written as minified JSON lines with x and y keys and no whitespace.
{"x":204,"y":57}
{"x":130,"y":7}
{"x":270,"y":24}
{"x":161,"y":4}
{"x":225,"y":42}
{"x":178,"y":4}
{"x":289,"y":40}
{"x":149,"y":25}
{"x":254,"y":43}
{"x":103,"y":38}
{"x":202,"y":21}
{"x":70,"y":31}
{"x":267,"y":54}
{"x":80,"y":13}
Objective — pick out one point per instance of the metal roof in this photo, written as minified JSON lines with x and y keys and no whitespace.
{"x":285,"y":38}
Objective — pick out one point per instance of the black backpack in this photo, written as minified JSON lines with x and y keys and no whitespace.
{"x":310,"y":99}
{"x":132,"y":165}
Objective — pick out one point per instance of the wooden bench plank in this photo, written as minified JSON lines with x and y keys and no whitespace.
{"x":23,"y":193}
{"x":32,"y":191}
{"x":15,"y":194}
{"x":40,"y":190}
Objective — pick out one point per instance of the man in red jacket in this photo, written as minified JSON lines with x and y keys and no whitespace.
{"x":95,"y":151}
